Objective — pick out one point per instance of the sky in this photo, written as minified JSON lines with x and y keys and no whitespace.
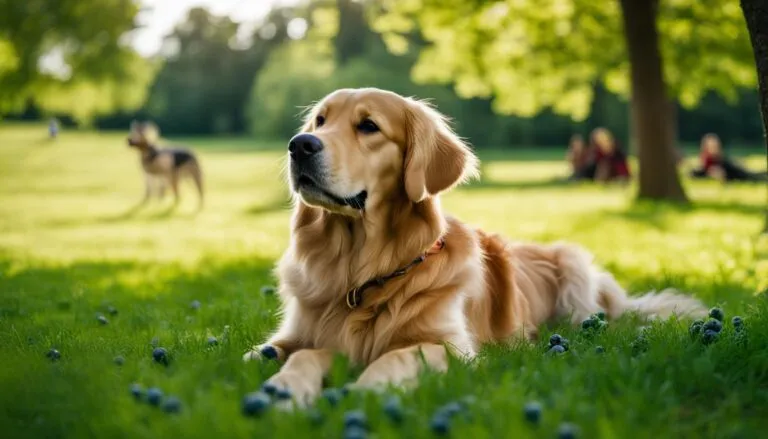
{"x":165,"y":14}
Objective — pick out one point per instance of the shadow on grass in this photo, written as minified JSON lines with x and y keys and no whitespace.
{"x":521,"y":185}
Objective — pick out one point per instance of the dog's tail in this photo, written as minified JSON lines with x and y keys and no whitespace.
{"x":585,"y":289}
{"x":197,"y":177}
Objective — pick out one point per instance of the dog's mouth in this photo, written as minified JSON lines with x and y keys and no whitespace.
{"x":306,"y":183}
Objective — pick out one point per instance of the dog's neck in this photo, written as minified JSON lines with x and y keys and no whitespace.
{"x":384,"y":238}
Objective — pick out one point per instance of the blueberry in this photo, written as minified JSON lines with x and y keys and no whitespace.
{"x":566,"y":431}
{"x":355,"y":418}
{"x":136,"y":391}
{"x":601,"y":315}
{"x":53,"y":355}
{"x":394,"y":409}
{"x":332,"y":395}
{"x":589,"y":323}
{"x":154,"y":395}
{"x":269,"y":388}
{"x":195,"y":304}
{"x":639,"y":345}
{"x":212,"y":341}
{"x":556,"y":349}
{"x":451,"y":409}
{"x":555,"y":340}
{"x":172,"y":404}
{"x":119,"y":360}
{"x":695,"y":328}
{"x":112,"y":310}
{"x":269,"y":352}
{"x":267,"y":290}
{"x":565,"y":343}
{"x":717,"y":314}
{"x":103,"y":320}
{"x":712,"y":325}
{"x":283,"y":394}
{"x":532,"y":412}
{"x":599,"y":350}
{"x":737,"y":322}
{"x":709,"y":336}
{"x":346,"y":389}
{"x":255,"y":403}
{"x":440,"y":424}
{"x":160,"y":355}
{"x":355,"y":433}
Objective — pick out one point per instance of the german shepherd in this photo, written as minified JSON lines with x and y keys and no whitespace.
{"x":163,"y":167}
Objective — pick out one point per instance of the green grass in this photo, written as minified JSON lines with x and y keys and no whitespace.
{"x":69,"y":247}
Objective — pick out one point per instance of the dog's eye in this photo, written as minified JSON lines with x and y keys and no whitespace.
{"x":367,"y":126}
{"x":319,"y":121}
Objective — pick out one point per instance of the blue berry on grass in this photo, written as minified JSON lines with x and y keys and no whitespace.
{"x":589,"y":323}
{"x":212,"y":341}
{"x":712,"y":325}
{"x":555,"y":339}
{"x":332,"y":395}
{"x":695,"y":328}
{"x":267,"y":290}
{"x":599,"y":350}
{"x":283,"y":394}
{"x":172,"y":404}
{"x":53,"y":355}
{"x":355,"y":433}
{"x":102,"y":320}
{"x":556,"y":349}
{"x":355,"y":418}
{"x":255,"y":403}
{"x":269,"y":352}
{"x":566,"y":431}
{"x":737,"y":322}
{"x":451,"y":409}
{"x":112,"y":310}
{"x":440,"y":424}
{"x":154,"y":396}
{"x":717,"y":314}
{"x":136,"y":391}
{"x":119,"y":360}
{"x":601,"y":315}
{"x":195,"y":304}
{"x":709,"y":336}
{"x":532,"y":412}
{"x":394,"y":409}
{"x":269,"y":388}
{"x":160,"y":355}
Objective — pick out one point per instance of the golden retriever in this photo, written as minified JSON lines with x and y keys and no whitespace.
{"x":376,"y":271}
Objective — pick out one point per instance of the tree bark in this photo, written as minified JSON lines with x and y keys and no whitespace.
{"x":756,"y":15}
{"x":658,"y":178}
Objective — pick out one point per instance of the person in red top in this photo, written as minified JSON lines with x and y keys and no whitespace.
{"x":714,"y":164}
{"x":578,"y":155}
{"x":609,"y":161}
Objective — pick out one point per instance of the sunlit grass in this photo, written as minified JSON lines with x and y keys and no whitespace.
{"x":69,"y":247}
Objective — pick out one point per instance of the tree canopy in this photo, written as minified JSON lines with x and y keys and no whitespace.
{"x":531,"y":55}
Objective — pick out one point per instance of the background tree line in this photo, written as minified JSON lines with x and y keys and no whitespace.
{"x":215,"y":76}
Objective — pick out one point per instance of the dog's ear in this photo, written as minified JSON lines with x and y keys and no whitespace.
{"x":150,"y":132}
{"x":436,"y":159}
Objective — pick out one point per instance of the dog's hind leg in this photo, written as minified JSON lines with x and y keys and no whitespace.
{"x":174,"y":178}
{"x":197,"y":177}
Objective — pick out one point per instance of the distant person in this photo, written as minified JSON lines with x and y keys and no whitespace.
{"x":715,"y":164}
{"x":607,"y":161}
{"x":53,"y":128}
{"x":577,"y":156}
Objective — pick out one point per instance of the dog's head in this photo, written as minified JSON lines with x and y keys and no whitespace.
{"x":142,"y":134}
{"x":361,"y":146}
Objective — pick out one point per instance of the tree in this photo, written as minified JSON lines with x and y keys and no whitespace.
{"x":70,"y":56}
{"x":756,"y":15}
{"x":531,"y":55}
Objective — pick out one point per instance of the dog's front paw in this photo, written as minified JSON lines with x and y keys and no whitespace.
{"x":265,"y":352}
{"x":293,"y":386}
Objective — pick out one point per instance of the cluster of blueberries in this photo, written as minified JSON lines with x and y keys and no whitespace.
{"x":594,"y":323}
{"x":441,"y":419}
{"x":708,"y":332}
{"x":154,"y":397}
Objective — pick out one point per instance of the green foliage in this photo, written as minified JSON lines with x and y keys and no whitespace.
{"x":83,"y":40}
{"x":69,"y":252}
{"x":534,"y":55}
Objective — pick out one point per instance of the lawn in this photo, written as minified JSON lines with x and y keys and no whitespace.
{"x":70,"y":248}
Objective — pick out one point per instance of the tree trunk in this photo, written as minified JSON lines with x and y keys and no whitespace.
{"x":756,"y":15}
{"x":658,"y":178}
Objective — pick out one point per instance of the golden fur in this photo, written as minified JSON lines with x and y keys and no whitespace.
{"x":480,"y":288}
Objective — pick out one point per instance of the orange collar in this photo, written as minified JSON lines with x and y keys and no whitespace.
{"x":355,"y":295}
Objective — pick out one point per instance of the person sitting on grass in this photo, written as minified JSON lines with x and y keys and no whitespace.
{"x":577,"y":156}
{"x":608,"y":162}
{"x":715,"y":164}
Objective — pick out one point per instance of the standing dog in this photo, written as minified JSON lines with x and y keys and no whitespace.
{"x":376,"y":271}
{"x":163,"y":166}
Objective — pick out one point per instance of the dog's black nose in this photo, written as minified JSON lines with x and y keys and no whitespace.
{"x":304,"y":146}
